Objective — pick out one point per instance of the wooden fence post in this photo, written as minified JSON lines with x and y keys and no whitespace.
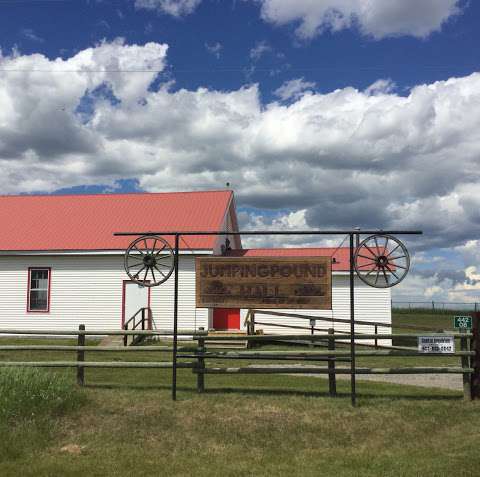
{"x":475,"y":360}
{"x":465,"y":363}
{"x":201,"y":364}
{"x":332,"y":379}
{"x":81,"y":357}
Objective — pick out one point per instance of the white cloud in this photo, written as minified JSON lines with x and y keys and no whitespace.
{"x":294,"y":89}
{"x":29,"y":34}
{"x":175,"y":8}
{"x":381,"y":86}
{"x":260,"y":49}
{"x":214,"y":49}
{"x":376,"y":18}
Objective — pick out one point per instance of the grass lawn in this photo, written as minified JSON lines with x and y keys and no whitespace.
{"x":241,"y":426}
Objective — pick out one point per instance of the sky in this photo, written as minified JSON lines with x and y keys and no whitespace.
{"x":319,"y":114}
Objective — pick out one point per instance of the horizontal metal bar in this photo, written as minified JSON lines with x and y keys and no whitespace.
{"x":92,"y":364}
{"x":325,"y":370}
{"x":102,"y":332}
{"x":93,"y":349}
{"x":275,"y":232}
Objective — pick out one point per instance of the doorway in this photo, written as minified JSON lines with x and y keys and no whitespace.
{"x":226,"y":318}
{"x":135,"y":296}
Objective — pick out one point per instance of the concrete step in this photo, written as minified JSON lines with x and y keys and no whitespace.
{"x":112,"y":341}
{"x":234,"y":344}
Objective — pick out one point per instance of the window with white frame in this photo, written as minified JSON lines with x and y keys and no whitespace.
{"x":39,"y":289}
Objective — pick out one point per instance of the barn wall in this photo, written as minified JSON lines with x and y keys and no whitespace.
{"x":371,"y":304}
{"x":88,"y":289}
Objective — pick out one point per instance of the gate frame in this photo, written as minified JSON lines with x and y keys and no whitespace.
{"x":353,"y":234}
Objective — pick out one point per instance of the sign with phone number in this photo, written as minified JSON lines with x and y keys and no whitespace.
{"x":436,"y":344}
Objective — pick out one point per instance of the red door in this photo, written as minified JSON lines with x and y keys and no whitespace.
{"x":226,"y":318}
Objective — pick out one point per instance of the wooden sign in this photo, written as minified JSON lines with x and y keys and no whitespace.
{"x":264,"y":282}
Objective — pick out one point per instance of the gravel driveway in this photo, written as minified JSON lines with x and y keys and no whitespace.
{"x":444,"y":381}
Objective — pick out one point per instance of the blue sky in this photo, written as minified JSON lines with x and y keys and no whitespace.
{"x":331,"y":60}
{"x":320,"y":114}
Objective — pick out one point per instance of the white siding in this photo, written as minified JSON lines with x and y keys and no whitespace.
{"x":371,"y":304}
{"x":88,"y":290}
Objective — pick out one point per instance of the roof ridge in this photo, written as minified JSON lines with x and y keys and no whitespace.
{"x":293,"y":248}
{"x":96,"y":194}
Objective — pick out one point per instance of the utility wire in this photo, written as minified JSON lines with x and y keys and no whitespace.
{"x":225,"y":70}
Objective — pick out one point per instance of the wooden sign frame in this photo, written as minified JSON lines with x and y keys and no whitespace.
{"x":264,"y":282}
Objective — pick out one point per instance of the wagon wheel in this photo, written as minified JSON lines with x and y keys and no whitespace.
{"x":149,"y":260}
{"x":381,"y":261}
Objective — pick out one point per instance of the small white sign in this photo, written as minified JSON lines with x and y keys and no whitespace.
{"x":436,"y":344}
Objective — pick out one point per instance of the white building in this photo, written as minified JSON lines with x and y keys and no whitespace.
{"x":61,"y":265}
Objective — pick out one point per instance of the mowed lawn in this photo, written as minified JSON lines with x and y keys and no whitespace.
{"x":242,"y":426}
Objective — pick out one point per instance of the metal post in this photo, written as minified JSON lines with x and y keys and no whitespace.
{"x":201,"y":364}
{"x":81,"y":357}
{"x":352,"y":324}
{"x":332,"y":378}
{"x":175,"y":320}
{"x":376,"y":339}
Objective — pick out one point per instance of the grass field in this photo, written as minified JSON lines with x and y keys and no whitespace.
{"x":126,"y":425}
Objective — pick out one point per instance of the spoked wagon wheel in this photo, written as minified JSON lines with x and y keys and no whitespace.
{"x":149,"y":260}
{"x":382,"y":261}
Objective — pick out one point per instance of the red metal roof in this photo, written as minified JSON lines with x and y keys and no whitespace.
{"x":341,"y":255}
{"x":87,"y":222}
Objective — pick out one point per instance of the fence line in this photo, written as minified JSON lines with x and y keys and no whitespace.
{"x":468,"y":355}
{"x":435,"y":305}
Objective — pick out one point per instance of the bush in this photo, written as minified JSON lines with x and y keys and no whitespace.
{"x":30,"y":393}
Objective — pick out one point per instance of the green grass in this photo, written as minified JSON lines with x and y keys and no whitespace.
{"x":30,"y":401}
{"x":252,"y":425}
{"x":29,"y":393}
{"x":245,"y":425}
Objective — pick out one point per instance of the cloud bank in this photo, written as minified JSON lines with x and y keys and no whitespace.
{"x":369,"y":158}
{"x":375,"y":18}
{"x":341,"y":159}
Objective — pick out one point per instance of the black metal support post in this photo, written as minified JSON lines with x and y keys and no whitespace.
{"x":175,"y":320}
{"x":81,"y":357}
{"x":201,"y":365}
{"x":332,"y":378}
{"x":352,"y":322}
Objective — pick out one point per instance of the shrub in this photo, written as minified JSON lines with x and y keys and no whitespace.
{"x":30,"y":393}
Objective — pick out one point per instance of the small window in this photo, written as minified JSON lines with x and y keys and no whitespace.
{"x":39,"y":289}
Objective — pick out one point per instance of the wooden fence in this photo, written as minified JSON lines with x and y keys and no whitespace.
{"x":199,"y":355}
